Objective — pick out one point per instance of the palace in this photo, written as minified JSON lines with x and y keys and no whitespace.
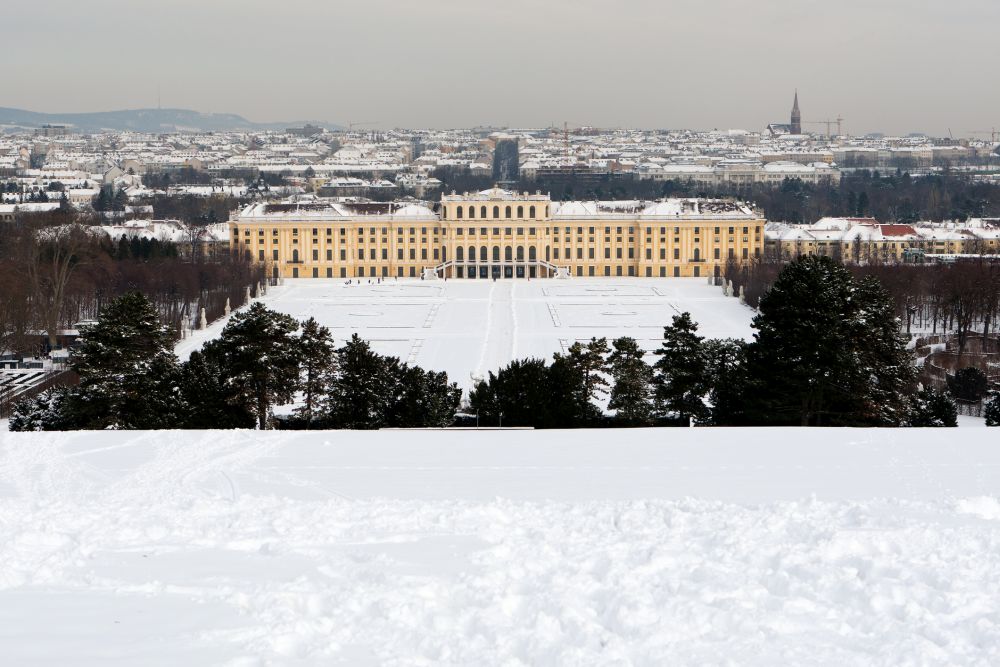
{"x":498,"y":234}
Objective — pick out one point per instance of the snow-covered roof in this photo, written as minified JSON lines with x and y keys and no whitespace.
{"x":333,"y":209}
{"x":673,"y":208}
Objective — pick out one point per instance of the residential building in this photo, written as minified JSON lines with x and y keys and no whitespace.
{"x":867,"y":240}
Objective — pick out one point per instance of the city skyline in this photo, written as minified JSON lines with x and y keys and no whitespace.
{"x":724,"y":64}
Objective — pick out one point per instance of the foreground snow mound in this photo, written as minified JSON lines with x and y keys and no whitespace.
{"x":252,"y":549}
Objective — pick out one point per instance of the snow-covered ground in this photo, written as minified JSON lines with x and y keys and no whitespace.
{"x":642,"y":547}
{"x":470,"y":327}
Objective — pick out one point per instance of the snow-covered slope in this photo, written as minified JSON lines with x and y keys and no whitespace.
{"x":649,"y":547}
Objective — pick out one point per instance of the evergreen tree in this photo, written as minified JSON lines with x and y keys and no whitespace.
{"x":932,"y":408}
{"x":992,"y":409}
{"x":567,"y":404}
{"x":129,"y":375}
{"x":317,"y":368}
{"x":680,"y":380}
{"x":423,"y":399}
{"x":259,"y":357}
{"x":103,"y":200}
{"x":862,"y":208}
{"x":881,"y":368}
{"x":580,"y":374}
{"x":968,"y":384}
{"x":43,"y":412}
{"x":631,"y":394}
{"x":827,"y":352}
{"x":519,"y":394}
{"x":361,"y":392}
{"x":208,"y":401}
{"x":119,"y":200}
{"x":726,"y":375}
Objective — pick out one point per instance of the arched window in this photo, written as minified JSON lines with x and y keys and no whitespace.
{"x":520,"y":253}
{"x":458,"y":212}
{"x":520,"y":211}
{"x":472,"y":253}
{"x":507,"y":254}
{"x":531,"y":211}
{"x":444,"y":254}
{"x":506,"y":212}
{"x":472,"y":211}
{"x":546,"y":210}
{"x":547,"y":253}
{"x":295,"y":255}
{"x":482,"y":212}
{"x":459,"y":254}
{"x":496,"y":212}
{"x":483,"y":255}
{"x":532,"y":255}
{"x":496,"y":253}
{"x":697,"y":254}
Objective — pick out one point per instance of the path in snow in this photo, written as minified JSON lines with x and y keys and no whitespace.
{"x":640,"y":547}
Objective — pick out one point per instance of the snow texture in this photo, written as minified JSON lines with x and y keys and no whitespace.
{"x":640,"y":547}
{"x":471,"y":327}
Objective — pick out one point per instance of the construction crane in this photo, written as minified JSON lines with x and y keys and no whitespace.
{"x":994,"y":134}
{"x":839,"y":120}
{"x":566,"y":129}
{"x":351,"y":126}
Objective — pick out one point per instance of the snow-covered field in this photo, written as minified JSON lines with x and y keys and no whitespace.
{"x":470,"y":327}
{"x":644,"y":547}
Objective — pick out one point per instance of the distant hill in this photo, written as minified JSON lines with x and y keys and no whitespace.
{"x":144,"y":120}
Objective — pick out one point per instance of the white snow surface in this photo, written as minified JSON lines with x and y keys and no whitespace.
{"x":471,"y":327}
{"x":638,"y":547}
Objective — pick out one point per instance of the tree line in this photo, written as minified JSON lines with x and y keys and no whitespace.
{"x":57,"y":269}
{"x":130,"y":378}
{"x":827,"y":351}
{"x":962,"y":298}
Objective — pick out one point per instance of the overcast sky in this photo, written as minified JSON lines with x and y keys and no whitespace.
{"x":890,"y":65}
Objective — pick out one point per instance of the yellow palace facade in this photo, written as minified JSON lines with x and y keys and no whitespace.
{"x":497,"y":234}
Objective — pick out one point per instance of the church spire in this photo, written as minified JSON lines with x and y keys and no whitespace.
{"x":796,"y":124}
